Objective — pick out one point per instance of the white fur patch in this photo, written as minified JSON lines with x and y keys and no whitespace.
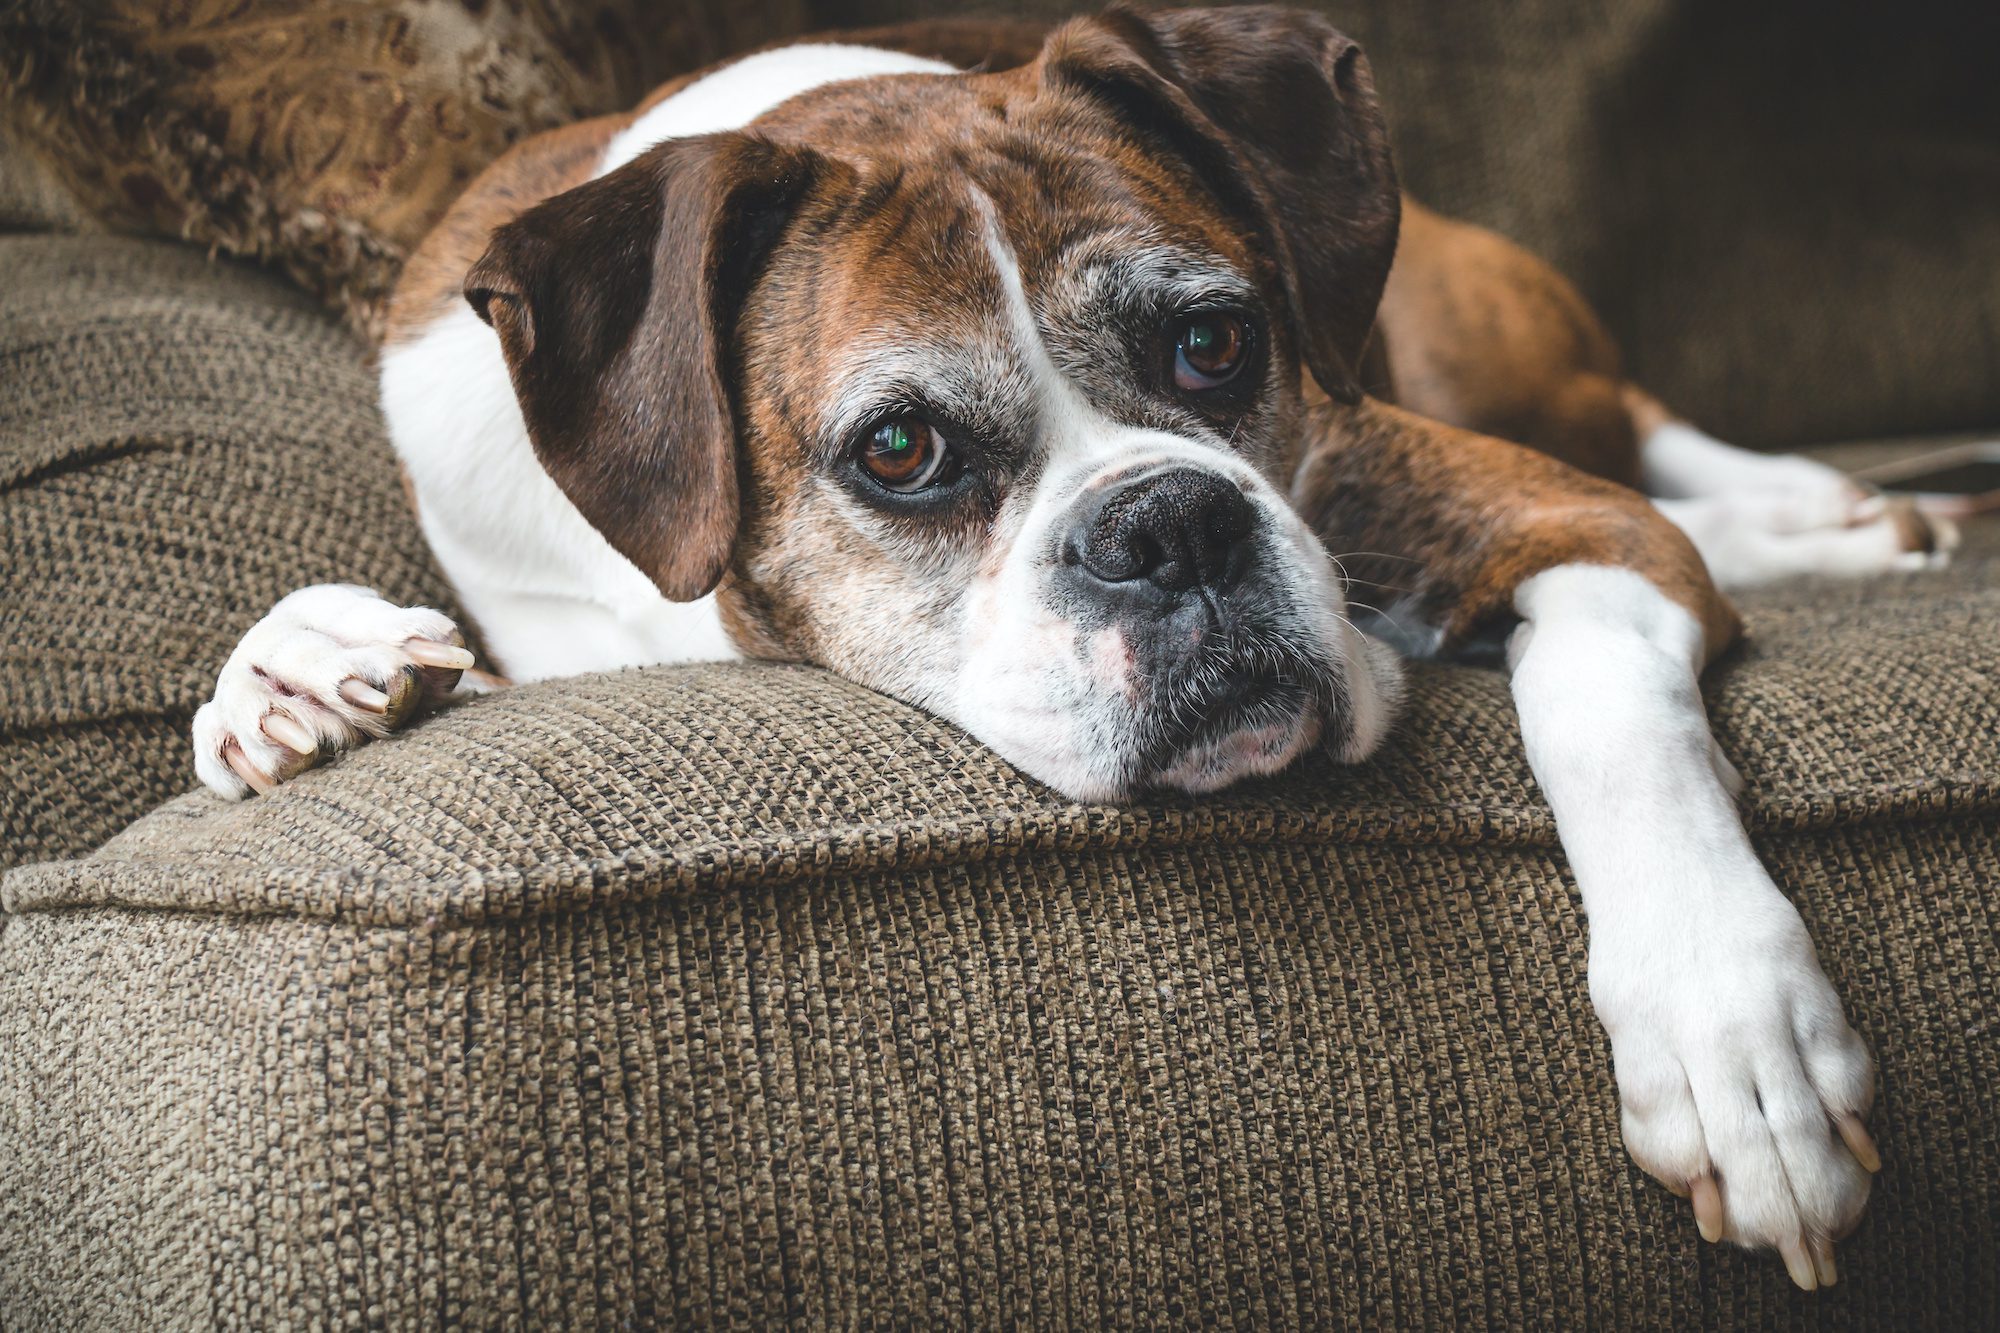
{"x":1756,"y":537}
{"x":549,"y":594}
{"x":1678,"y":462}
{"x":738,"y":93}
{"x":1757,"y":518}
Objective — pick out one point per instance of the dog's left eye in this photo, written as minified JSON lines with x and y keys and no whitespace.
{"x":905,"y":454}
{"x":1210,"y":348}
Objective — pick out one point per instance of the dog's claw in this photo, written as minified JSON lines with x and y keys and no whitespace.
{"x":290,"y":734}
{"x":363,"y":695}
{"x":249,"y":772}
{"x":1859,"y":1142}
{"x":1707,"y":1208}
{"x":448,"y":656}
{"x":1798,"y":1264}
{"x":1823,"y":1265}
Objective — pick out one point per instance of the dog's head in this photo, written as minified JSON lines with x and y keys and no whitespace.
{"x":983,"y":390}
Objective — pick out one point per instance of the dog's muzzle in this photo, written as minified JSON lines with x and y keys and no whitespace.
{"x":1178,"y":560}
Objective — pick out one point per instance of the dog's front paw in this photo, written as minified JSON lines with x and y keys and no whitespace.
{"x":1741,"y":1085}
{"x":330,"y":666}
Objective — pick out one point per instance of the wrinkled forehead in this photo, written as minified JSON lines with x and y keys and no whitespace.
{"x":973,"y":228}
{"x":969,"y":334}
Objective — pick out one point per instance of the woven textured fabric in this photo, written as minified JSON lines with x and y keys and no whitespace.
{"x":1788,"y":212}
{"x":738,"y":995}
{"x":724,"y":1024}
{"x":180,"y":442}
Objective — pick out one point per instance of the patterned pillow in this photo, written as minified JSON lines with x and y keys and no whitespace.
{"x":325,"y":136}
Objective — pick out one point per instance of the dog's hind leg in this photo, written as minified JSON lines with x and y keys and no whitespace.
{"x":1476,"y":332}
{"x":1760,"y":517}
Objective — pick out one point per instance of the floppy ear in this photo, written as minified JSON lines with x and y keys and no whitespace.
{"x":615,"y":303}
{"x":1276,"y":110}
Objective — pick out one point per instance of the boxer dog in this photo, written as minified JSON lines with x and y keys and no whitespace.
{"x":1066,"y":389}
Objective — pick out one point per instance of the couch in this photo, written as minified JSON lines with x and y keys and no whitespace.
{"x":739,"y":995}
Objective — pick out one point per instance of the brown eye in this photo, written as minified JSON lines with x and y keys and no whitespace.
{"x":905,"y":454}
{"x":1209,"y":348}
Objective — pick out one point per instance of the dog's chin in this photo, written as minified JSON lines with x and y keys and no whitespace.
{"x":1196,"y":725}
{"x":1242,"y":744}
{"x":1242,"y":722}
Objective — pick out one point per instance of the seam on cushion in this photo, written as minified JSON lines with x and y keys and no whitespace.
{"x":18,"y":731}
{"x":167,"y":707}
{"x":388,"y":899}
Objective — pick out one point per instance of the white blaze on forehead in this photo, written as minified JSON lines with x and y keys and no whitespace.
{"x":1076,"y":438}
{"x":1060,"y":398}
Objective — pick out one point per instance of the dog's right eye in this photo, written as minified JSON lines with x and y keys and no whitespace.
{"x":905,"y":454}
{"x":1210,"y":347}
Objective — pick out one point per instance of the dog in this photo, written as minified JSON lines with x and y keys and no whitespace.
{"x":1073,"y":387}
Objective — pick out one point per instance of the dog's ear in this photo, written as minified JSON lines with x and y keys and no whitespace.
{"x":1276,"y":111}
{"x":615,"y":303}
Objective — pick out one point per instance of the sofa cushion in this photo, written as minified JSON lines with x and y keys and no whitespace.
{"x":1851,"y":704}
{"x":732,"y":994}
{"x":327,"y":138}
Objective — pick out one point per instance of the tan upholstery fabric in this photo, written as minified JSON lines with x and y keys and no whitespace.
{"x":1230,"y":1078}
{"x":179,"y":441}
{"x":737,"y":995}
{"x":327,"y":138}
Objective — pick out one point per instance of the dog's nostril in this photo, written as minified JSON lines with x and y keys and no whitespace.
{"x":1120,"y":556}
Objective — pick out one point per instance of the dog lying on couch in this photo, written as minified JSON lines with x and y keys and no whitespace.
{"x":1086,"y":399}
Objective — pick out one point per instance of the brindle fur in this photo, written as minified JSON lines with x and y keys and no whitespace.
{"x":1106,"y":130}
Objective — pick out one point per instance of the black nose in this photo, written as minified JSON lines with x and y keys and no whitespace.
{"x":1176,"y":529}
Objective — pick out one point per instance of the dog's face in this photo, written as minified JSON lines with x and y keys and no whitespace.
{"x":1000,"y":378}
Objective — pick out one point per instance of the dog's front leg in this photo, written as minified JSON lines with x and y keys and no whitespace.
{"x":1741,"y":1084}
{"x":331,"y":666}
{"x":1733,"y":1057}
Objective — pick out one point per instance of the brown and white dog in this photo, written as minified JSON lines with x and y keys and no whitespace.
{"x":1040,"y":383}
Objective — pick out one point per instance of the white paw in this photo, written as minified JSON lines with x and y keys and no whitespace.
{"x":329,"y":667}
{"x":1740,"y":1083}
{"x":1758,"y":536}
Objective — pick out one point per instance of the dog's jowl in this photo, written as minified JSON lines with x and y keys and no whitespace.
{"x":1080,"y":393}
